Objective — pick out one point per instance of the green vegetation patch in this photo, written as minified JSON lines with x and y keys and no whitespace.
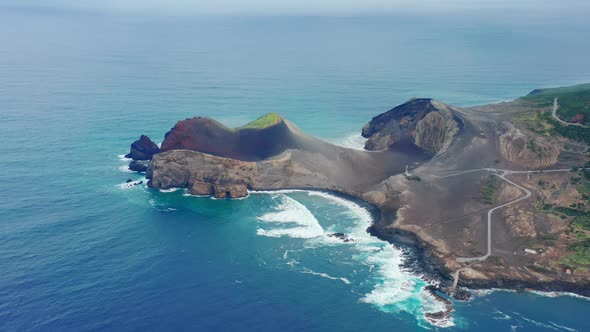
{"x":489,"y":190}
{"x":545,"y":124}
{"x":574,"y":105}
{"x":582,"y":221}
{"x":569,"y":211}
{"x":496,"y":260}
{"x":538,"y":269}
{"x":584,"y":188}
{"x":264,"y":121}
{"x":414,"y":178}
{"x":579,"y":253}
{"x":574,"y":101}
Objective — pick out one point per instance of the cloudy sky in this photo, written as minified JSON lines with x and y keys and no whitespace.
{"x":321,"y":7}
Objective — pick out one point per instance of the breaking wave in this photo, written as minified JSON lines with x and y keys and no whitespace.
{"x":352,"y":141}
{"x":394,"y":288}
{"x":299,"y":221}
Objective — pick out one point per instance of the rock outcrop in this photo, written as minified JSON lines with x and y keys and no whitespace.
{"x":526,"y":151}
{"x":426,"y":123}
{"x":138,"y":166}
{"x":143,"y":149}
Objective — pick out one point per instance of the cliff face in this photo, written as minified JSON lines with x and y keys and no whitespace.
{"x":201,"y":173}
{"x":426,"y":123}
{"x":248,"y":143}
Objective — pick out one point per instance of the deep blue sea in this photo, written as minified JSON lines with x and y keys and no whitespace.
{"x":80,"y":252}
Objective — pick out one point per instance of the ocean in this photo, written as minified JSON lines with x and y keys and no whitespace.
{"x":80,"y":251}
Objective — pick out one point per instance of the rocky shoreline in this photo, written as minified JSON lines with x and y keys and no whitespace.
{"x":424,"y":136}
{"x":422,"y":262}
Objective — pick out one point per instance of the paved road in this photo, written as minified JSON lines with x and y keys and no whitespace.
{"x":501,"y":173}
{"x":554,"y":115}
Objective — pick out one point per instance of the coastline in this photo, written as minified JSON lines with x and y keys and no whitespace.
{"x":419,"y":259}
{"x":433,"y":269}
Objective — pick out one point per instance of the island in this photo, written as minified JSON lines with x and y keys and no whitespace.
{"x":493,"y":196}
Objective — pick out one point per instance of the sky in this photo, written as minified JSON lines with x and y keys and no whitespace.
{"x":311,"y":7}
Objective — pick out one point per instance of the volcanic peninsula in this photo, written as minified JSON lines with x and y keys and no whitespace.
{"x":487,"y":196}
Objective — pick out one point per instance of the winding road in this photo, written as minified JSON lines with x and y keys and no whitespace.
{"x":500,"y":173}
{"x":554,"y":115}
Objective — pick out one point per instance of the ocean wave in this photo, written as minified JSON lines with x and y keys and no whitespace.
{"x":353,"y":141}
{"x":291,"y":212}
{"x":123,"y":158}
{"x":485,"y":292}
{"x":550,"y":325}
{"x":125,"y":169}
{"x":171,"y":190}
{"x":325,"y":275}
{"x":558,"y":294}
{"x":133,"y":184}
{"x":395,"y":289}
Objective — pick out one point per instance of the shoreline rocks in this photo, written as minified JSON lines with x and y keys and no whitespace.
{"x":143,"y":149}
{"x":342,"y":236}
{"x":138,"y":166}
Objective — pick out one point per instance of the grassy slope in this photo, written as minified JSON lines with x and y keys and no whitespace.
{"x":572,"y":100}
{"x":264,"y":121}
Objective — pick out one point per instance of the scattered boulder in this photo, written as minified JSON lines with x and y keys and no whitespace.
{"x":461,"y":295}
{"x":138,"y":166}
{"x":342,"y":236}
{"x":443,"y":316}
{"x":129,"y":183}
{"x":143,"y":149}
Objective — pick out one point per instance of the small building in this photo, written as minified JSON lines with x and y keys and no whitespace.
{"x":530,"y":251}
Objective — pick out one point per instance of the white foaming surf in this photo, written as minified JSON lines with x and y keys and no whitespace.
{"x":171,"y":190}
{"x":134,"y":184}
{"x":291,"y":212}
{"x":394,"y":288}
{"x":352,"y":141}
{"x":123,"y":158}
{"x":325,"y":275}
{"x":125,"y":169}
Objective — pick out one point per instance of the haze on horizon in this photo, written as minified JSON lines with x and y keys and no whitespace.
{"x":513,"y":8}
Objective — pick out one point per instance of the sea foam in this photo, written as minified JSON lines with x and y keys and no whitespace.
{"x":297,"y":220}
{"x":352,"y":141}
{"x":123,"y":158}
{"x":171,"y":190}
{"x":395,"y":289}
{"x":325,"y":275}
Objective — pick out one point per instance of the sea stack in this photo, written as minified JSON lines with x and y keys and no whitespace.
{"x":143,"y":149}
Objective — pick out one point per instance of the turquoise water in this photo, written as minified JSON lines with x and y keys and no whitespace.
{"x":78,"y":252}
